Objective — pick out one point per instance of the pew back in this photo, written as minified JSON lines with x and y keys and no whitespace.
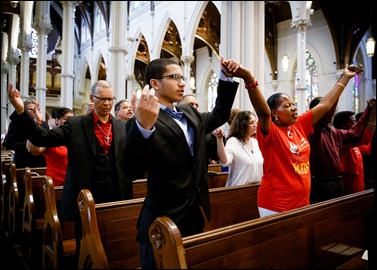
{"x":32,"y":218}
{"x":16,"y":199}
{"x":322,"y":235}
{"x":59,"y":244}
{"x":115,"y":223}
{"x":217,"y":179}
{"x":5,"y":184}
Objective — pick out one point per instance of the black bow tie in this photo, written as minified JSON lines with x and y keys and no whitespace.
{"x":174,"y":114}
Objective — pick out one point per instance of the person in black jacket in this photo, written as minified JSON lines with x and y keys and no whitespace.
{"x":16,"y":141}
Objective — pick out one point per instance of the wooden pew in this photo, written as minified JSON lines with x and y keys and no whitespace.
{"x":32,"y":219}
{"x":109,"y":229}
{"x":16,"y":200}
{"x":214,"y":167}
{"x":217,"y":179}
{"x":140,"y":188}
{"x":5,"y":184}
{"x":323,"y":235}
{"x":59,"y":244}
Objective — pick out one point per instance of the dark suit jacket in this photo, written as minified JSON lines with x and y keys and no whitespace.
{"x":79,"y":137}
{"x":176,"y":179}
{"x":16,"y":141}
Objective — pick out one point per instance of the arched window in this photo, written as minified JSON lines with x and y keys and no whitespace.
{"x":311,"y":80}
{"x":212,"y":91}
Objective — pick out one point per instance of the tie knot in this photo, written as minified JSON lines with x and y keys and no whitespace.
{"x":174,"y":114}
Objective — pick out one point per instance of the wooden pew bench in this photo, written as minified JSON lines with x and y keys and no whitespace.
{"x":16,"y":200}
{"x":323,"y":235}
{"x":59,"y":243}
{"x":140,"y":188}
{"x":5,"y":184}
{"x":109,"y":229}
{"x":217,"y":179}
{"x":214,"y":167}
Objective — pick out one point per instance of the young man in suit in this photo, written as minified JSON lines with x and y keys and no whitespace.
{"x":173,"y":151}
{"x":95,"y":143}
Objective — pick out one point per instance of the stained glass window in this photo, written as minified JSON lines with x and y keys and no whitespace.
{"x":212,"y":91}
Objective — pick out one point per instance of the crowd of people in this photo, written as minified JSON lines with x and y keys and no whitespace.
{"x":163,"y":136}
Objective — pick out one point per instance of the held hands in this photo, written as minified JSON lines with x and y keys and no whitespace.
{"x":15,"y":98}
{"x":233,"y":69}
{"x":147,"y":109}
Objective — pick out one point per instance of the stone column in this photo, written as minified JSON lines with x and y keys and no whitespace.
{"x":117,"y":49}
{"x":25,"y":46}
{"x":13,"y":59}
{"x":4,"y":81}
{"x":301,"y":22}
{"x":67,"y":75}
{"x":187,"y":60}
{"x":42,"y":25}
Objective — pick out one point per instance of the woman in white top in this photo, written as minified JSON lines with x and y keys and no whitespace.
{"x":241,"y":152}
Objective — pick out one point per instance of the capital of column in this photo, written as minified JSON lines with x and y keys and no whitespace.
{"x":42,"y":27}
{"x":25,"y":43}
{"x":13,"y":57}
{"x":116,"y":49}
{"x":71,"y":4}
{"x":301,"y":25}
{"x":187,"y":59}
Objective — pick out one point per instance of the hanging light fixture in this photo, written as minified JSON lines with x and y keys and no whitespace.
{"x":285,"y":62}
{"x":285,"y":58}
{"x":370,"y":46}
{"x":370,"y":41}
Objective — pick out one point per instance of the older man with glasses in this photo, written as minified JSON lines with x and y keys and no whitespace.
{"x":95,"y":142}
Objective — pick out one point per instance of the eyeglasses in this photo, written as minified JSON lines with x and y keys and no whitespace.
{"x":103,"y":99}
{"x":176,"y":77}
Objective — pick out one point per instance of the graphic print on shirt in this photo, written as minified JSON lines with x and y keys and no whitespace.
{"x":298,"y":160}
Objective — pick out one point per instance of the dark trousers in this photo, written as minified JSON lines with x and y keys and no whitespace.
{"x":325,"y":188}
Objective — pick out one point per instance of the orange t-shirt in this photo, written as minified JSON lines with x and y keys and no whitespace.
{"x":56,"y":163}
{"x":285,"y":184}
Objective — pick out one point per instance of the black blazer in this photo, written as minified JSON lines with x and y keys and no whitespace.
{"x":77,"y":134}
{"x":176,"y":179}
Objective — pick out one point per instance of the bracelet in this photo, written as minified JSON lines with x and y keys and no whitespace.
{"x":251,"y":84}
{"x":340,"y":84}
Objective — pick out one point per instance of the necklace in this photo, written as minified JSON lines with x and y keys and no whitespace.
{"x":107,"y":137}
{"x":289,"y":134}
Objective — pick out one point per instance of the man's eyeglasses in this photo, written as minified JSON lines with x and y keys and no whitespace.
{"x":103,"y":99}
{"x":176,"y":77}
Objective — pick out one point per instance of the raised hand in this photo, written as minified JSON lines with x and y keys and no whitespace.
{"x":147,"y":109}
{"x":15,"y":98}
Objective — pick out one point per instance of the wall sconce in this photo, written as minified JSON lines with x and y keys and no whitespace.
{"x":285,"y":62}
{"x":370,"y":46}
{"x":192,"y":83}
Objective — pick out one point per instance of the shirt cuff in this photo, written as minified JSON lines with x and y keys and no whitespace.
{"x":223,"y":77}
{"x":146,"y":133}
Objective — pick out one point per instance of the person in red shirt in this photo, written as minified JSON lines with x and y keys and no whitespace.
{"x":56,"y":157}
{"x":352,"y":168}
{"x":283,"y":139}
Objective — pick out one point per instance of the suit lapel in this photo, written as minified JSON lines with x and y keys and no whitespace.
{"x":88,"y":127}
{"x":171,"y":124}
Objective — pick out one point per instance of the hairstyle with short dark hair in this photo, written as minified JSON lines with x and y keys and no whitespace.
{"x":341,"y":119}
{"x":275,"y":100}
{"x":63,"y":111}
{"x":314,"y":102}
{"x":156,"y":68}
{"x":117,"y":105}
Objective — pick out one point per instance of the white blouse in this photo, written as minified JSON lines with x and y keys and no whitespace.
{"x":245,"y":162}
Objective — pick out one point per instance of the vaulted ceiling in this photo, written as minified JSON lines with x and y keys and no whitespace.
{"x":347,"y":25}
